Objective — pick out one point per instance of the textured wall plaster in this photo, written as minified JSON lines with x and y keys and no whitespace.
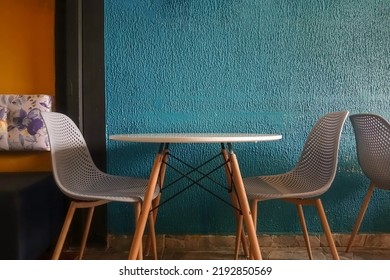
{"x":245,"y":66}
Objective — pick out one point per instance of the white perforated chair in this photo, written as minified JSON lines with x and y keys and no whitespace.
{"x":78,"y":178}
{"x":372,"y":135}
{"x":311,"y":177}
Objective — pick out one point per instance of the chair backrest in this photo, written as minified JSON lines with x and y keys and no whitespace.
{"x":372,"y":134}
{"x":319,"y":158}
{"x":73,"y":167}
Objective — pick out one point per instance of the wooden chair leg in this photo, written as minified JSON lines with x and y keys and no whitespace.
{"x":64,"y":231}
{"x":254,"y":217}
{"x":240,"y":237}
{"x":239,"y":231}
{"x":326,"y":228}
{"x":254,"y":212}
{"x":151,"y":242}
{"x":137,"y":212}
{"x":149,"y":239}
{"x":152,"y":236}
{"x":304,"y":230}
{"x":244,"y":243}
{"x":156,"y":202}
{"x":361,"y":215}
{"x":86,"y":231}
{"x":240,"y":234}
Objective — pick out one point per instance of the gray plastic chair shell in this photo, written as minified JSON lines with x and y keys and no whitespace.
{"x":314,"y":173}
{"x":75,"y":172}
{"x":372,"y":134}
{"x":88,"y":187}
{"x":308,"y":180}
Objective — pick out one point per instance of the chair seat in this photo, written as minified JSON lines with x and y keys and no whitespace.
{"x":113,"y":188}
{"x":287,"y":185}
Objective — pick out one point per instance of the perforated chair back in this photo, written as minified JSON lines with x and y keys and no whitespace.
{"x":314,"y":172}
{"x":73,"y":167}
{"x":75,"y":172}
{"x":372,"y":134}
{"x":319,"y":158}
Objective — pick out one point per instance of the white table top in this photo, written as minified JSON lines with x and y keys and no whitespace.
{"x":195,"y":137}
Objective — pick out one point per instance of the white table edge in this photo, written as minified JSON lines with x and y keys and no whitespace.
{"x":195,"y":137}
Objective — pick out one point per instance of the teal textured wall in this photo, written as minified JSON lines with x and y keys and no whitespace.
{"x":270,"y":66}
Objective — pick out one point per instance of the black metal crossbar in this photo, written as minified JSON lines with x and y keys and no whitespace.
{"x":196,"y":182}
{"x":196,"y":169}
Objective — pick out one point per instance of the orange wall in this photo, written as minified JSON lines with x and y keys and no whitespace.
{"x":26,"y":65}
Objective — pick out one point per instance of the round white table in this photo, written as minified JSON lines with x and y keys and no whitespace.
{"x":195,"y":137}
{"x":239,"y":198}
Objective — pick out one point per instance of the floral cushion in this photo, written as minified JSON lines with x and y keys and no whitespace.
{"x":26,"y":130}
{"x":3,"y":129}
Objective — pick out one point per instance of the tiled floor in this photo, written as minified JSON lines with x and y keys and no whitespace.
{"x":290,"y":253}
{"x":204,"y":248}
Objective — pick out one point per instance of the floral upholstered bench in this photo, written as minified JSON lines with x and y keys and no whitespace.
{"x":31,"y":206}
{"x":21,"y":125}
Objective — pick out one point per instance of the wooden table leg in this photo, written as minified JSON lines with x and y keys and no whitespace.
{"x":146,"y":206}
{"x":254,"y":244}
{"x":240,"y":234}
{"x":156,"y":201}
